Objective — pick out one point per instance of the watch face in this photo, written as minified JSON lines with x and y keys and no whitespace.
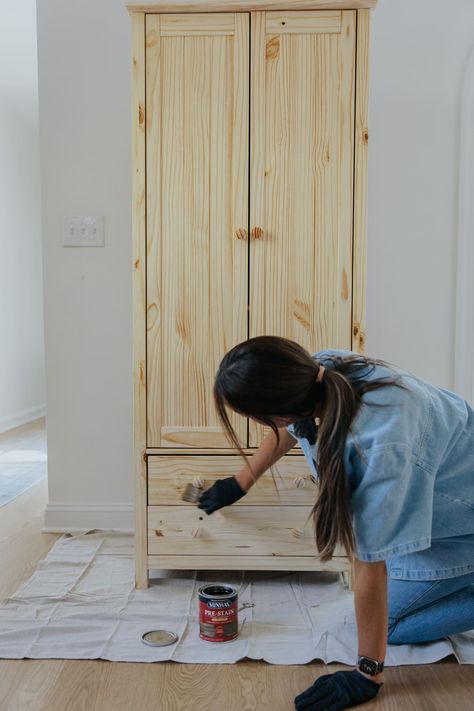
{"x":368,"y":666}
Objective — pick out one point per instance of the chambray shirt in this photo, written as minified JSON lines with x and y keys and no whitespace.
{"x":411,"y":488}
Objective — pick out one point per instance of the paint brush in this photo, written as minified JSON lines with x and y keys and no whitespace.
{"x":192,"y":493}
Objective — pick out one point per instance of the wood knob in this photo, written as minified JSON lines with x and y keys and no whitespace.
{"x":241,"y":233}
{"x":257,"y":233}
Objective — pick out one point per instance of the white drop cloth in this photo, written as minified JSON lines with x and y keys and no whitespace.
{"x":80,"y":603}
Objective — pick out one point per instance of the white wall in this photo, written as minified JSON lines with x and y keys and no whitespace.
{"x":22,"y":380}
{"x":419,"y":49}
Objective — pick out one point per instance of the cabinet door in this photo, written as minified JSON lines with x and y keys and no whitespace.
{"x":301,"y":195}
{"x":197,"y":104}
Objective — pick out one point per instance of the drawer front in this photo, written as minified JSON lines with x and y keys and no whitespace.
{"x":237,"y":530}
{"x":168,"y":476}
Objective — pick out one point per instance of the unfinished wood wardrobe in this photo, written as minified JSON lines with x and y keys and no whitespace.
{"x":249,"y":218}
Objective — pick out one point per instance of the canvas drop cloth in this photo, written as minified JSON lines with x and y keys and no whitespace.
{"x":81,"y":604}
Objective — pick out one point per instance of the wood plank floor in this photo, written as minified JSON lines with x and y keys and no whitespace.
{"x":65,"y":685}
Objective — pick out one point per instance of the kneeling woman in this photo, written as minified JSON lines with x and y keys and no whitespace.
{"x":394,"y":460}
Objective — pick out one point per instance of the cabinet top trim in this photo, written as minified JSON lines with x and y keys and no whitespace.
{"x":251,"y":5}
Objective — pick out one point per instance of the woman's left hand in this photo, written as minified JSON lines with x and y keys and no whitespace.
{"x":340,"y":690}
{"x":223,"y":492}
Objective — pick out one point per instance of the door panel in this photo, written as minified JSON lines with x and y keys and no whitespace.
{"x":301,"y":196}
{"x":197,"y":98}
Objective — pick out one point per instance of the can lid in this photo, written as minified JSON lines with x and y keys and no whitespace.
{"x":217,"y":591}
{"x":159,"y":638}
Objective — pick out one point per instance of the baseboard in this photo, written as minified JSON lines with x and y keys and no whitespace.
{"x":75,"y":518}
{"x":22,"y":418}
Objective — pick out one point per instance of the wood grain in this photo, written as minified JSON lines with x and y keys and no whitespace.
{"x":339,"y":564}
{"x":139,"y":293}
{"x":197,"y":25}
{"x":361,"y":182}
{"x":56,"y":685}
{"x":197,"y":187}
{"x":302,"y":137}
{"x":250,"y":5}
{"x":302,"y":23}
{"x":92,"y":685}
{"x":296,"y":451}
{"x":168,"y":477}
{"x":244,"y":530}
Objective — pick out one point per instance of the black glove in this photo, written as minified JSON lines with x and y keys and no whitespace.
{"x":223,"y":493}
{"x":340,"y":690}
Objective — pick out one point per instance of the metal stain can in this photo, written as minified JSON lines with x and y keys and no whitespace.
{"x":218,"y":613}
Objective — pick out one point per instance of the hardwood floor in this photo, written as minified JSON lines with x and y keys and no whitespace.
{"x":65,"y":685}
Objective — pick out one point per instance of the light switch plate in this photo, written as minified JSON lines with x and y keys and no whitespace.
{"x":84,"y":232}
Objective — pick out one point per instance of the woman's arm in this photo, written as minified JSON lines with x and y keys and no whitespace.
{"x":370,"y":598}
{"x":267,"y":454}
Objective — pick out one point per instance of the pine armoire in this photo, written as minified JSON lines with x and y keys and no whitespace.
{"x":249,"y":143}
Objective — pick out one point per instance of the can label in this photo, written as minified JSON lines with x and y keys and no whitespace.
{"x":218,"y":613}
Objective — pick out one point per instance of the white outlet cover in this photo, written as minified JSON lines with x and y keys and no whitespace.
{"x":84,"y":231}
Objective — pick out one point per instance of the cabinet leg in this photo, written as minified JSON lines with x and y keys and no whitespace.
{"x":141,"y":577}
{"x":346,"y":578}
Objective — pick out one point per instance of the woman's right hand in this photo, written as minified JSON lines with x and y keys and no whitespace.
{"x":223,"y":492}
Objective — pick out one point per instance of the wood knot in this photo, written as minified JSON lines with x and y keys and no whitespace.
{"x":151,"y":316}
{"x":257,"y":233}
{"x":272,"y":49}
{"x":302,"y":320}
{"x":299,"y":482}
{"x":365,"y":136}
{"x":345,"y":286}
{"x":141,"y":115}
{"x":158,"y":532}
{"x":297,"y":532}
{"x":355,"y":330}
{"x":241,"y":233}
{"x":182,"y":328}
{"x":136,"y":263}
{"x":151,"y":38}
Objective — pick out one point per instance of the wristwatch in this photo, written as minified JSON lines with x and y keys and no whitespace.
{"x":369,"y":666}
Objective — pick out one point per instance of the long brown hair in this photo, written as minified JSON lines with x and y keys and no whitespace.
{"x":268,"y":377}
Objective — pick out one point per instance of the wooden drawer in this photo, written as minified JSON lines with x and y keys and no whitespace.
{"x":168,"y":476}
{"x":237,"y":530}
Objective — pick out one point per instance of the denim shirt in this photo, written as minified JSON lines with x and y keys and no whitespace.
{"x":411,"y":478}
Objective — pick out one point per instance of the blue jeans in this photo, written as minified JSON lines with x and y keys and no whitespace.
{"x":425,"y":610}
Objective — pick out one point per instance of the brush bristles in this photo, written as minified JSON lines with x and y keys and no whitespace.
{"x":192,"y":493}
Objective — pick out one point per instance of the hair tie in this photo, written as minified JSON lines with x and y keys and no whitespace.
{"x":320,"y":373}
